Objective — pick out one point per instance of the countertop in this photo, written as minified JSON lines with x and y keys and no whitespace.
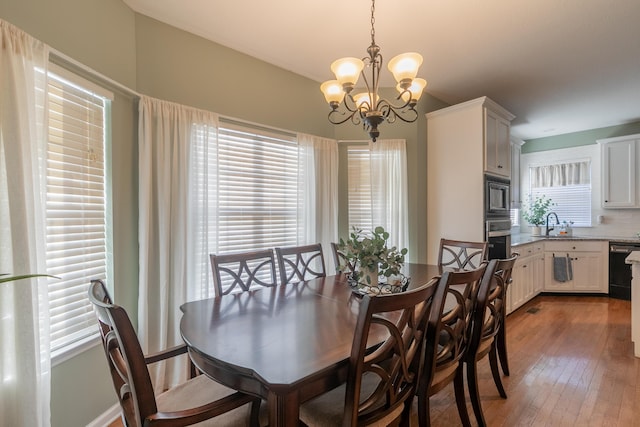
{"x":523,"y":239}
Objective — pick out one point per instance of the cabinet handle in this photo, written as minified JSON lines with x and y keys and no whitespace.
{"x":499,"y":166}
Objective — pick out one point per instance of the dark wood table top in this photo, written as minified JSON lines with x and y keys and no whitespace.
{"x":286,"y":344}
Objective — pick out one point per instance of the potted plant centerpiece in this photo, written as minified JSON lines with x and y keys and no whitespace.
{"x":372,"y":257}
{"x":537,"y":209}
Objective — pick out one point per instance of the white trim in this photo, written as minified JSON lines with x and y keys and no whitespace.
{"x":107,"y":417}
{"x":75,"y":349}
{"x":81,"y":83}
{"x":483,"y":101}
{"x":618,"y":138}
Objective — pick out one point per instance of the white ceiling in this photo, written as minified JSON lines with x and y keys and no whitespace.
{"x":559,"y":65}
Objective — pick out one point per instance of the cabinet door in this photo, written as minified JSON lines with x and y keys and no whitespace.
{"x":538,"y":274}
{"x":619,"y":174}
{"x":497,"y":158}
{"x":587,"y":271}
{"x":520,"y":283}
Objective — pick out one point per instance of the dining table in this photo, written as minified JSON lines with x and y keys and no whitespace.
{"x":287,"y":343}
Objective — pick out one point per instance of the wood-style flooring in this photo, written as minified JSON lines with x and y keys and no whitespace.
{"x":572,"y":364}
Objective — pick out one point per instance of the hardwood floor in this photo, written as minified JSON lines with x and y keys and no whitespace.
{"x":571,"y":362}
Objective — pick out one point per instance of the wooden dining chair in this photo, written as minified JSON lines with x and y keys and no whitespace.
{"x":300,"y":263}
{"x":343,"y":264}
{"x":198,"y":400}
{"x":487,"y":321}
{"x":461,"y":255}
{"x":243,"y":271}
{"x":381,"y":383}
{"x":504,"y":270}
{"x":464,"y":287}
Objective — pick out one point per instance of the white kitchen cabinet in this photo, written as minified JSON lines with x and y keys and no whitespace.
{"x":527,"y":275}
{"x":456,"y":141}
{"x":497,"y":144}
{"x":589,"y":262}
{"x":620,"y":171}
{"x":516,"y":149}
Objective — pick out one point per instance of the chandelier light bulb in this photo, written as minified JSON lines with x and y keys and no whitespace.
{"x":333,"y":93}
{"x":363,"y":99}
{"x":404,"y":67}
{"x":415,"y":90}
{"x":347,"y":71}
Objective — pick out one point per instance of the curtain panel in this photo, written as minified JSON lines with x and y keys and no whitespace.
{"x":25,"y":365}
{"x":389,"y":189}
{"x":318,"y":190}
{"x":169,"y":226}
{"x":561,"y":174}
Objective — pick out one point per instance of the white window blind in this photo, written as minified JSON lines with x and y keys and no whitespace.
{"x":257,"y":176}
{"x":568,"y":185}
{"x":359,"y":183}
{"x":76,"y":212}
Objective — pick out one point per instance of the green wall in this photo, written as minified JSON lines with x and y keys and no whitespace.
{"x":163,"y":62}
{"x":576,"y":139}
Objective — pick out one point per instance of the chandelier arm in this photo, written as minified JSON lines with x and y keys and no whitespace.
{"x":399,"y":114}
{"x":348,"y":117}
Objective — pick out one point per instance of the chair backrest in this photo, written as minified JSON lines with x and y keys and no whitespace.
{"x":300,"y":263}
{"x":489,"y":312}
{"x":394,"y":367}
{"x":455,"y":327}
{"x":125,"y":357}
{"x":243,"y":271}
{"x":461,"y":255}
{"x":343,"y":264}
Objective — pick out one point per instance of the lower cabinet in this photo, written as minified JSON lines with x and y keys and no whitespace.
{"x":527,"y":276}
{"x":589,"y":265}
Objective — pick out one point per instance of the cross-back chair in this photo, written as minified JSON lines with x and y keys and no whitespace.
{"x":381,"y":384}
{"x":488,"y":320}
{"x":340,"y":259}
{"x":243,"y":271}
{"x":464,"y":287}
{"x":300,"y":263}
{"x":198,"y":400}
{"x":461,"y":255}
{"x":504,"y":269}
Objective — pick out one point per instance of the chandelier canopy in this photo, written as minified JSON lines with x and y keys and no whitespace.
{"x":367,"y":107}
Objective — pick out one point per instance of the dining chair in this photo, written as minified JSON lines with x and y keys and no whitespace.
{"x":461,"y":255}
{"x":300,"y":263}
{"x":381,"y":383}
{"x":198,"y":400}
{"x":487,"y":320}
{"x":343,"y":264}
{"x":504,"y":269}
{"x":464,"y":288}
{"x":243,"y":271}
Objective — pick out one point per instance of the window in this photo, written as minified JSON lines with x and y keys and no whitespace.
{"x":359,"y":183}
{"x":76,"y":205}
{"x":568,"y":185}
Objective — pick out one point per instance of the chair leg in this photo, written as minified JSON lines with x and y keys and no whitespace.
{"x":458,"y":384}
{"x":493,"y":362}
{"x":424,"y":417}
{"x":502,"y":347}
{"x":472,"y":383}
{"x":254,"y":418}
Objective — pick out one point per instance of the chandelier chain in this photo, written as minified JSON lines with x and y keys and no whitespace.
{"x":373,"y":21}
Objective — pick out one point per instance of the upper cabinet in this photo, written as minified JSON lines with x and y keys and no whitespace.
{"x":620,"y":171}
{"x":516,"y":150}
{"x":497,"y":144}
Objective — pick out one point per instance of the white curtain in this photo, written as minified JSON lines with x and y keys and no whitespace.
{"x":168,"y":236}
{"x":318,"y":193}
{"x":389,"y":189}
{"x":561,"y":174}
{"x":25,"y":377}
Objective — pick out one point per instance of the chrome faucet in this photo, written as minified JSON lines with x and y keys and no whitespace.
{"x":547,"y":227}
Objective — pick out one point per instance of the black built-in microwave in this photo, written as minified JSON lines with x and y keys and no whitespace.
{"x":497,"y":198}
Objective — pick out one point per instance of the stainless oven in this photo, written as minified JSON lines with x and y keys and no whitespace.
{"x":497,"y":201}
{"x":498,"y":235}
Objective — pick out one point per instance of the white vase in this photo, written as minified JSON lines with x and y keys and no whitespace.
{"x":536,"y":230}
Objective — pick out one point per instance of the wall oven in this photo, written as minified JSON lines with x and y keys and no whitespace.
{"x":497,"y":203}
{"x":498,"y":236}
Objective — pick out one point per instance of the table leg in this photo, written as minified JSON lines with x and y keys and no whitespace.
{"x":284,"y":410}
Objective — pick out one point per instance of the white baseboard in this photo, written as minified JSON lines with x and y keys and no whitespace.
{"x":107,"y":417}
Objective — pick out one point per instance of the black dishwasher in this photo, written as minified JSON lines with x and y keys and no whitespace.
{"x":619,"y":271}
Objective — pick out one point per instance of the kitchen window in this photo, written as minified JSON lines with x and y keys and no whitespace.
{"x":568,"y":184}
{"x":76,"y":206}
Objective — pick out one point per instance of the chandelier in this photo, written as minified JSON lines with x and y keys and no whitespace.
{"x":367,"y":107}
